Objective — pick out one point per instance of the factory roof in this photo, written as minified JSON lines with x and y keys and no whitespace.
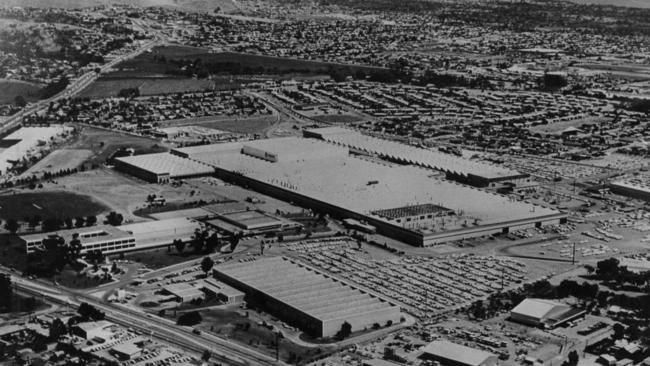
{"x":302,"y":288}
{"x":457,"y":353}
{"x":162,"y":230}
{"x":414,"y":155}
{"x":165,"y":163}
{"x":366,"y":186}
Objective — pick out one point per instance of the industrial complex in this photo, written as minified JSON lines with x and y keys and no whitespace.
{"x":401,"y":201}
{"x":300,"y":295}
{"x":118,"y":239}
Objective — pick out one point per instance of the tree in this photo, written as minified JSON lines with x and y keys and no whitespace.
{"x":95,"y":257}
{"x":6,"y":292}
{"x":74,"y":248}
{"x":345,"y":331}
{"x":68,"y":223}
{"x":179,"y":244}
{"x":114,"y":218}
{"x":20,"y":101}
{"x":51,"y":224}
{"x":206,"y":355}
{"x":91,"y":220}
{"x":190,"y":318}
{"x":206,"y":264}
{"x":573,"y":358}
{"x":89,"y":312}
{"x":79,"y":221}
{"x":212,"y":242}
{"x":198,"y":240}
{"x":619,"y":331}
{"x":234,"y":240}
{"x":12,"y":226}
{"x":57,"y":329}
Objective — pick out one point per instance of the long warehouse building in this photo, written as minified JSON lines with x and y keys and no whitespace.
{"x":402,"y":201}
{"x":478,"y":174}
{"x":312,"y":301}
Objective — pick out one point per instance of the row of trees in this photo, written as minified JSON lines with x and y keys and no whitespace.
{"x":54,"y":224}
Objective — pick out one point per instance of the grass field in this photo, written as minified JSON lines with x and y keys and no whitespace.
{"x":337,"y":118}
{"x":48,"y":205}
{"x":13,"y":88}
{"x":104,"y":143}
{"x":110,"y":87}
{"x":159,"y":258}
{"x":145,"y":62}
{"x":237,"y":125}
{"x":59,"y":160}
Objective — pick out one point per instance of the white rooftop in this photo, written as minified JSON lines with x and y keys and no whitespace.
{"x":163,"y":163}
{"x":343,"y":181}
{"x":456,"y":352}
{"x":415,"y":155}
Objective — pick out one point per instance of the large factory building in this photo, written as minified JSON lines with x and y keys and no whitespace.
{"x":312,"y":301}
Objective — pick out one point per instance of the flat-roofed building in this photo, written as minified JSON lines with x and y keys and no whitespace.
{"x":108,"y":239}
{"x":306,"y":298}
{"x":250,"y":222}
{"x":118,"y":239}
{"x":126,"y":351}
{"x":223,"y":292}
{"x":402,"y":201}
{"x":636,"y":187}
{"x":457,"y":168}
{"x":453,"y":354}
{"x":183,"y":292}
{"x":162,"y":167}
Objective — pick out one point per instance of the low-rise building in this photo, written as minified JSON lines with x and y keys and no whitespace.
{"x":452,"y":354}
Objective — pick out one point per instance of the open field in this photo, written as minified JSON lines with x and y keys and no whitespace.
{"x":104,"y":143}
{"x":226,"y":123}
{"x":146,"y":63}
{"x":48,"y":204}
{"x":107,"y":88}
{"x":59,"y":160}
{"x":125,"y":194}
{"x":337,"y":118}
{"x":160,"y":257}
{"x":13,"y":88}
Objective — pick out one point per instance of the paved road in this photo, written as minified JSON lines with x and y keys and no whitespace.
{"x":222,"y":350}
{"x":73,"y":88}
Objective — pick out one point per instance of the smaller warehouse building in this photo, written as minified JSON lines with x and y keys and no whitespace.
{"x":452,"y":354}
{"x":91,"y":330}
{"x":544,"y":313}
{"x":118,"y":239}
{"x":126,"y":351}
{"x":636,"y":187}
{"x":183,"y":292}
{"x":162,"y":167}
